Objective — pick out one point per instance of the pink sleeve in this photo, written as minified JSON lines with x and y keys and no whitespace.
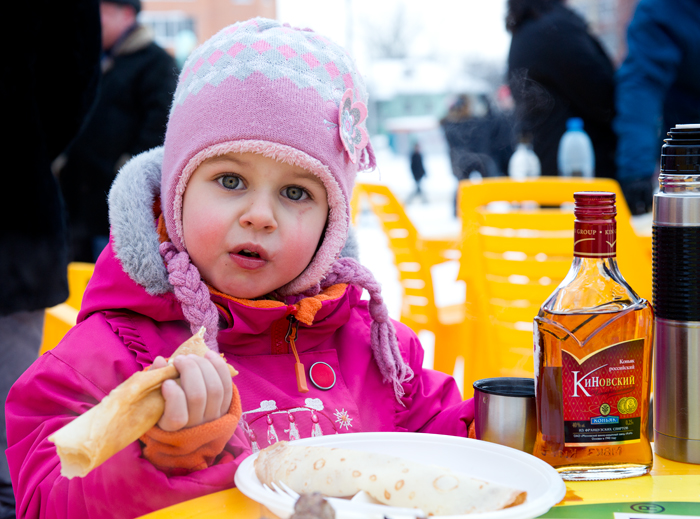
{"x":50,"y":394}
{"x":433,"y":402}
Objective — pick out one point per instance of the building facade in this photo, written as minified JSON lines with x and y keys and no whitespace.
{"x":181,"y":24}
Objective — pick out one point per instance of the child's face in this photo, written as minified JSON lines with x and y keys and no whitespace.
{"x":252,"y":224}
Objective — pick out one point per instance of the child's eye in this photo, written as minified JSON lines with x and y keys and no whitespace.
{"x":295,"y":193}
{"x":230,"y":182}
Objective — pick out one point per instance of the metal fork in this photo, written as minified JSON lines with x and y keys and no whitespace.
{"x":357,"y":509}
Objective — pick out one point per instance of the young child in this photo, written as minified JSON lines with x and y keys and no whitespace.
{"x":240,"y":224}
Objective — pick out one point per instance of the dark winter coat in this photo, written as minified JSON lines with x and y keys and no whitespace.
{"x":558,"y":70}
{"x":138,"y":82}
{"x":658,"y":84}
{"x":48,"y":82}
{"x":417,"y":168}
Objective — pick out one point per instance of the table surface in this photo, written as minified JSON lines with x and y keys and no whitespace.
{"x":672,"y":489}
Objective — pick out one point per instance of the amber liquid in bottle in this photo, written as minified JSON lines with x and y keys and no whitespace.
{"x":593,"y":365}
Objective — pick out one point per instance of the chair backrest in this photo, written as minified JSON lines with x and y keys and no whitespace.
{"x":79,"y":275}
{"x":58,"y":320}
{"x":355,"y":204}
{"x":418,"y":309}
{"x":514,"y":254}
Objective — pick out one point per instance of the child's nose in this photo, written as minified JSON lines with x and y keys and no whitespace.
{"x":259,"y":215}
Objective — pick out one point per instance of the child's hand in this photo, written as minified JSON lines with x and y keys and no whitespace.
{"x":204,"y":393}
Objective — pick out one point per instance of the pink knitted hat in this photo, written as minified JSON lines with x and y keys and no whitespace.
{"x":290,"y":95}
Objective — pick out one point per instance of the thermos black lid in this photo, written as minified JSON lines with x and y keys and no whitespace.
{"x":681,"y":152}
{"x":676,"y":228}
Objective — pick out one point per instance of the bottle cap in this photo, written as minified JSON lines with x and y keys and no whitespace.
{"x":594,"y":204}
{"x":574,"y":123}
{"x":595,"y":229}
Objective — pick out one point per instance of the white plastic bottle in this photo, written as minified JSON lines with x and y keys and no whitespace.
{"x":575,"y":157}
{"x":524,"y":162}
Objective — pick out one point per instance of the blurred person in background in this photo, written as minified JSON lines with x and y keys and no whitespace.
{"x":138,"y":80}
{"x":469,"y":140}
{"x":497,"y":124}
{"x":558,"y":70}
{"x":658,"y":86}
{"x":453,"y":125}
{"x":418,"y":172}
{"x":47,"y":86}
{"x":478,"y":144}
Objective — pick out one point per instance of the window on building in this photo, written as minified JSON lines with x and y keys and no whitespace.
{"x":166,"y":25}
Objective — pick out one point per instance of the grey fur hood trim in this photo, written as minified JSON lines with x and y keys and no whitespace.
{"x":135,"y":240}
{"x":134,"y":236}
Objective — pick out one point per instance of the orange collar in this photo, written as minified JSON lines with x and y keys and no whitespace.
{"x":304,"y":310}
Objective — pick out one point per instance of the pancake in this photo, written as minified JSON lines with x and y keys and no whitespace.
{"x":388,"y":479}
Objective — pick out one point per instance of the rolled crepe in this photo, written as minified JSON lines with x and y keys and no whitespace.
{"x":388,"y":479}
{"x":123,"y":416}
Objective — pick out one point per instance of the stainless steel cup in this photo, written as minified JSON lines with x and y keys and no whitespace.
{"x":505,"y":412}
{"x":676,"y":290}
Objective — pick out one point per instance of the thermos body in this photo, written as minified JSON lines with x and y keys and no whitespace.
{"x":677,"y":390}
{"x":676,"y":298}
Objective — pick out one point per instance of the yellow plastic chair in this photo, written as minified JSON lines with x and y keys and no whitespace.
{"x":61,"y":318}
{"x":355,"y":205}
{"x":414,"y":256}
{"x":514,"y":256}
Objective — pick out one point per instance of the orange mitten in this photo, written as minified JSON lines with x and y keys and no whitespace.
{"x":192,"y":448}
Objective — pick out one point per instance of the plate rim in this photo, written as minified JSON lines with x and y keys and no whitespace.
{"x":532,"y":509}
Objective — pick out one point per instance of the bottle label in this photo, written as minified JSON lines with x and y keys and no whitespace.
{"x":595,"y":239}
{"x":603,"y":395}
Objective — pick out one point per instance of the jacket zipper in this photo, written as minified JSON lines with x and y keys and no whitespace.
{"x":290,"y":338}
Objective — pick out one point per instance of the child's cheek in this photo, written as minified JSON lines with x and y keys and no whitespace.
{"x":304,"y":237}
{"x":298,"y":236}
{"x":207,"y":229}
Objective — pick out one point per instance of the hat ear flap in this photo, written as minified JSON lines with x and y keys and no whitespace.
{"x":192,"y":293}
{"x":385,"y":347}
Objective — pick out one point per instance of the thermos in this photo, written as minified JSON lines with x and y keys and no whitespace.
{"x":676,"y":297}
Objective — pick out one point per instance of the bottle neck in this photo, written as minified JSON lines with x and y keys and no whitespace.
{"x":595,"y":238}
{"x":588,"y":266}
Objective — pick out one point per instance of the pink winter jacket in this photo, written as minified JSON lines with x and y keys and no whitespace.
{"x":128,"y":318}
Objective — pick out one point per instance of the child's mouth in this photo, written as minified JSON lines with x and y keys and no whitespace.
{"x":248,"y":253}
{"x":249,"y":256}
{"x":248,"y":259}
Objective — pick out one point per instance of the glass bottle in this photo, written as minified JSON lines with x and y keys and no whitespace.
{"x":593,"y":347}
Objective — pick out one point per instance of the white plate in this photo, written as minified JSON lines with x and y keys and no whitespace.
{"x":478,"y":459}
